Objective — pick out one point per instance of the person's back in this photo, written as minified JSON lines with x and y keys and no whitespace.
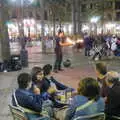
{"x":95,"y":107}
{"x":88,"y":100}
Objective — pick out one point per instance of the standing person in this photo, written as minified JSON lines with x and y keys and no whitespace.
{"x":60,"y":41}
{"x":88,"y":44}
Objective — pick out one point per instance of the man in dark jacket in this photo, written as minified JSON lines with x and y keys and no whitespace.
{"x":24,"y":97}
{"x":113,"y":98}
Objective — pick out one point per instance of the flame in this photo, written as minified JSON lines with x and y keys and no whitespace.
{"x":69,"y":41}
{"x":79,"y":41}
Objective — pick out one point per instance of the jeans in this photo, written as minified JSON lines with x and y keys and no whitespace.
{"x":58,"y":60}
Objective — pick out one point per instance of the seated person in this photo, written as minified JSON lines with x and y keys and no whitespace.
{"x":49,"y":80}
{"x":37,"y":76}
{"x":101,"y":71}
{"x":46,"y":90}
{"x":112,"y":107}
{"x":25,"y":98}
{"x":88,"y":93}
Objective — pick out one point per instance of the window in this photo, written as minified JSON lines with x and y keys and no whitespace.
{"x":13,"y":15}
{"x":117,"y":5}
{"x":108,"y":4}
{"x":91,"y":6}
{"x":30,"y":14}
{"x":118,"y":16}
{"x":45,"y":15}
{"x":83,"y":7}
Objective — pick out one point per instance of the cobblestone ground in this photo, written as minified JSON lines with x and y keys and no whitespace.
{"x":81,"y":67}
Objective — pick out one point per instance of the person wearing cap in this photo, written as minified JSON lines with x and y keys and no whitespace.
{"x":112,"y":107}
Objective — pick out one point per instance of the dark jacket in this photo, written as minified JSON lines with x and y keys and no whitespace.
{"x":28,"y":100}
{"x":87,"y":42}
{"x":113,"y":100}
{"x":45,"y":84}
{"x":104,"y":87}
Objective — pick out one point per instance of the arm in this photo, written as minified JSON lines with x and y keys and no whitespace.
{"x":34,"y":102}
{"x":65,"y":44}
{"x":59,"y":85}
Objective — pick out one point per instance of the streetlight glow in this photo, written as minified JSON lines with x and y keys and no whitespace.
{"x":94,"y":19}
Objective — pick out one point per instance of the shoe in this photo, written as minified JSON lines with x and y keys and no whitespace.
{"x":55,"y":71}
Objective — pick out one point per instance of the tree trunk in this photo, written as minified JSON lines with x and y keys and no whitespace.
{"x":79,"y":16}
{"x":74,"y":16}
{"x":4,"y":39}
{"x":54,"y":22}
{"x":42,"y":26}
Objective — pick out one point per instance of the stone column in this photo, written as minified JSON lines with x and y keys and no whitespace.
{"x":74,"y":16}
{"x":76,"y":11}
{"x":43,"y":25}
{"x":4,"y":39}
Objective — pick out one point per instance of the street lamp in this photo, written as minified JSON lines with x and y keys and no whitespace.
{"x":94,"y":21}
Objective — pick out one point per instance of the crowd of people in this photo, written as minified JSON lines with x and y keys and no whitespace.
{"x":40,"y":92}
{"x":110,"y":43}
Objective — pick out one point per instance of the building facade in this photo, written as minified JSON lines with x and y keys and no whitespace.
{"x":108,"y":12}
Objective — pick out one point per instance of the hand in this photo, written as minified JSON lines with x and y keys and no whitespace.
{"x":36,"y":90}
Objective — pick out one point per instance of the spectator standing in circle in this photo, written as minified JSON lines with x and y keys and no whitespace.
{"x":87,"y":44}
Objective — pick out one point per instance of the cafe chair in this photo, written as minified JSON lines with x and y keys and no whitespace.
{"x":19,"y":114}
{"x":112,"y":117}
{"x":98,"y":116}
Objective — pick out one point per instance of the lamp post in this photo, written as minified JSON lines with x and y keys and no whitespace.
{"x":42,"y":26}
{"x":4,"y":40}
{"x":93,"y":22}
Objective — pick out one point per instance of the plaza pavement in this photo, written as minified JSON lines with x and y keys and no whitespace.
{"x":81,"y":67}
